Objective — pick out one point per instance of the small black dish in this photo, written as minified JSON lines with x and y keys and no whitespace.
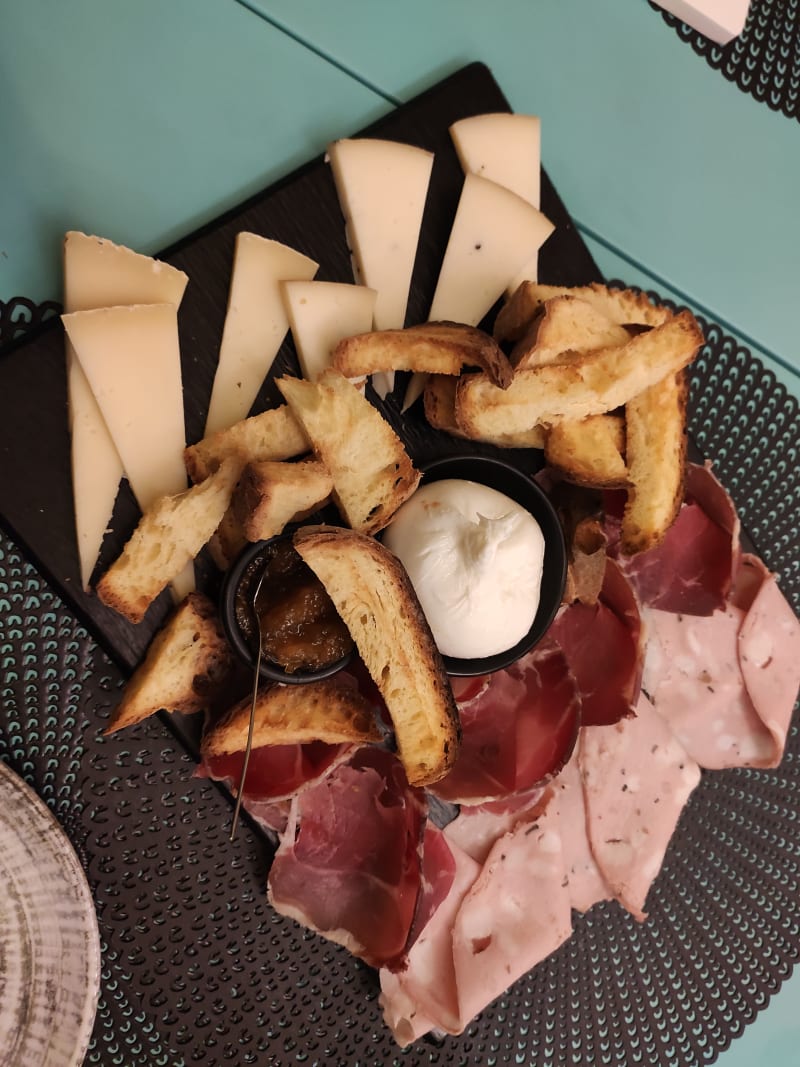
{"x":502,"y":476}
{"x":235,"y":575}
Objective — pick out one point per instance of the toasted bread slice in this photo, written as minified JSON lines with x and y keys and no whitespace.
{"x":592,"y":385}
{"x":228,"y":540}
{"x":274,"y":434}
{"x":589,"y":451}
{"x":186,"y":666}
{"x":566,"y":326}
{"x":432,"y":348}
{"x":271,"y":494}
{"x":326,"y":710}
{"x":622,"y":306}
{"x":440,"y":403}
{"x":371,"y":471}
{"x":656,"y":450}
{"x":168,"y":537}
{"x":374,"y":596}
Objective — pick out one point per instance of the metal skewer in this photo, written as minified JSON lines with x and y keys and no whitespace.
{"x":251,"y":725}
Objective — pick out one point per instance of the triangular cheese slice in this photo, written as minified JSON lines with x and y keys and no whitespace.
{"x":255,"y":324}
{"x":382,"y":188}
{"x":131,"y":358}
{"x":99,"y":273}
{"x":503,"y":147}
{"x":495,"y":233}
{"x":321,"y":314}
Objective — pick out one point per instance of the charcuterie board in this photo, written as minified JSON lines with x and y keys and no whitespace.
{"x":36,"y":506}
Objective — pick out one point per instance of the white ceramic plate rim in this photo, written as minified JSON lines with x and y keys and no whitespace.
{"x":55,"y":1033}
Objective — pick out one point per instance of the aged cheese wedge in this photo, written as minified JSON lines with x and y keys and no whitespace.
{"x":495,"y":233}
{"x":382,"y":187}
{"x":97,"y":274}
{"x":255,"y":324}
{"x":131,"y":358}
{"x":321,"y":314}
{"x":503,"y":147}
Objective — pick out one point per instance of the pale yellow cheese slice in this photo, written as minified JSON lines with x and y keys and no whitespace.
{"x":131,"y":359}
{"x":255,"y":324}
{"x":99,"y":273}
{"x":494,"y":234}
{"x":382,"y":188}
{"x":321,"y":314}
{"x":505,"y":148}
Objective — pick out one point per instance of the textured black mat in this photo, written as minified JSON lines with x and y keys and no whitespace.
{"x":764,"y":60}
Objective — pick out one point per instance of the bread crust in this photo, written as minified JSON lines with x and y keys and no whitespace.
{"x":589,"y":451}
{"x":273,"y":434}
{"x":324,"y":710}
{"x":431,"y":348}
{"x":439,"y":399}
{"x":186,"y":666}
{"x":375,"y":598}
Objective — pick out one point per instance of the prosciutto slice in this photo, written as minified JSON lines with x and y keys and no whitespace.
{"x":517,"y":730}
{"x":691,"y":571}
{"x":637,"y":778}
{"x":726,"y":683}
{"x":349,"y":861}
{"x":604,"y":646}
{"x":275,"y":772}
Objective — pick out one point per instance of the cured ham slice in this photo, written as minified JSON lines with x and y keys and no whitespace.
{"x":604,"y":646}
{"x":348,"y":865}
{"x":637,"y":778}
{"x":424,"y":996}
{"x":691,"y":571}
{"x":726,"y":683}
{"x":499,"y":920}
{"x":275,"y":772}
{"x":517,"y":731}
{"x":585,"y":881}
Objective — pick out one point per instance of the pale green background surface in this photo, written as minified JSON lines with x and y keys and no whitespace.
{"x":141,"y":121}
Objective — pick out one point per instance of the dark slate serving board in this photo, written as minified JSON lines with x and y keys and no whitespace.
{"x":301,"y":210}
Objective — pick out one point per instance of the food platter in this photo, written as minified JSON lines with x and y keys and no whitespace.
{"x":49,"y":945}
{"x":36,"y":503}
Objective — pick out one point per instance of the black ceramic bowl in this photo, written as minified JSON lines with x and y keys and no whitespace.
{"x":236,"y":574}
{"x":520,"y":487}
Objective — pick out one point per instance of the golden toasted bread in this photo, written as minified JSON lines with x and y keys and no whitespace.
{"x":371,"y":471}
{"x":327,"y":710}
{"x":186,"y":666}
{"x":271,"y":494}
{"x":228,"y":539}
{"x":622,"y":306}
{"x":565,"y":326}
{"x":432,"y":348}
{"x":594,"y":384}
{"x":274,"y":434}
{"x":377,"y":602}
{"x":169,"y":535}
{"x":440,"y":403}
{"x":588,"y":451}
{"x":656,"y":452}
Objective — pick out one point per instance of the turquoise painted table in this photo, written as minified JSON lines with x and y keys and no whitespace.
{"x":143,"y":121}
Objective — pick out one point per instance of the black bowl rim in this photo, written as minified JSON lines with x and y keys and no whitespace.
{"x":227,"y":610}
{"x":555,"y":555}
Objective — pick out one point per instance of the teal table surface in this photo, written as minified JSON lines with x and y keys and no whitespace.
{"x":142,"y":121}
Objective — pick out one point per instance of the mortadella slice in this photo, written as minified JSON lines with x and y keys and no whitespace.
{"x":637,"y":779}
{"x":586,"y":883}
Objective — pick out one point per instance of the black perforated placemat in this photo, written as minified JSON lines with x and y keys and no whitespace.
{"x":764,"y":60}
{"x":198,"y":969}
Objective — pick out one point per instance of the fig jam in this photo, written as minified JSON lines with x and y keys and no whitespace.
{"x":299,"y":627}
